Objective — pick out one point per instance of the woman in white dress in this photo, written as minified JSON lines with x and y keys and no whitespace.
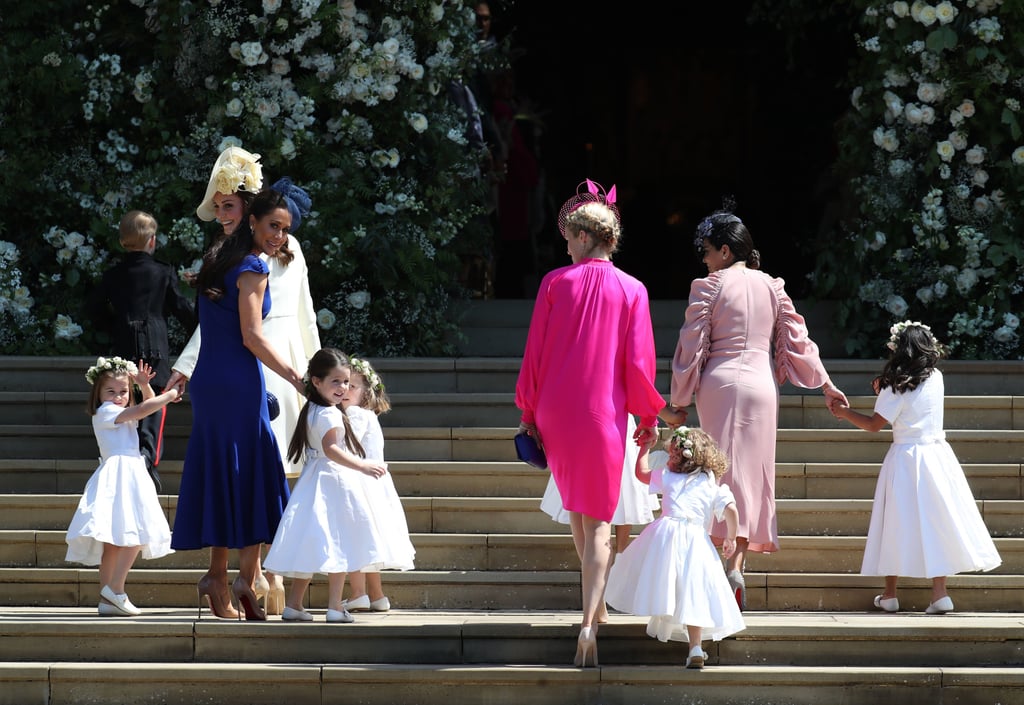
{"x":328,"y":526}
{"x":290,"y":327}
{"x":671,"y":572}
{"x":924,"y":520}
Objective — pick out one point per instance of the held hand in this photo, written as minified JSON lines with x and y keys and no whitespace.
{"x":674,"y":416}
{"x":728,"y":547}
{"x":834,"y":397}
{"x":646,"y":436}
{"x":177,"y":381}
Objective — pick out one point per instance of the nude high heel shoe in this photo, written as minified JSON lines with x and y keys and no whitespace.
{"x":586,"y":644}
{"x":261,"y":587}
{"x":217,"y":597}
{"x":275,"y":594}
{"x":247,"y":601}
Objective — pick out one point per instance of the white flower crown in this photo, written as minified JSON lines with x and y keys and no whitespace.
{"x":371,"y":377}
{"x":897,"y":328}
{"x":681,"y":437}
{"x":110,"y":364}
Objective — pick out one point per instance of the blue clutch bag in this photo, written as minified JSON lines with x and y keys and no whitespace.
{"x":273,"y":406}
{"x":529,"y":452}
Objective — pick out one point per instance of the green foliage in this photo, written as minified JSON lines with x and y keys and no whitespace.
{"x":931,"y":151}
{"x":109,"y":107}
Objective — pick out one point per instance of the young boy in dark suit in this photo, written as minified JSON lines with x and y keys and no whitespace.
{"x":132,"y":303}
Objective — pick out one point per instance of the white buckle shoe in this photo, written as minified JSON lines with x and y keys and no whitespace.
{"x":697,"y":657}
{"x":116,"y":605}
{"x":340,"y":617}
{"x":940,"y":606}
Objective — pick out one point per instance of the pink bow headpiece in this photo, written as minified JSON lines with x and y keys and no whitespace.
{"x":594,"y":193}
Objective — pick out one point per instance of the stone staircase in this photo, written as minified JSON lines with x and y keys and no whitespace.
{"x":490,"y":614}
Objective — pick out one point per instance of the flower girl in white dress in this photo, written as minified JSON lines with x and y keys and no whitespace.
{"x":364,"y":401}
{"x":924,"y":520}
{"x":119,"y":515}
{"x":671,"y":572}
{"x":328,"y":525}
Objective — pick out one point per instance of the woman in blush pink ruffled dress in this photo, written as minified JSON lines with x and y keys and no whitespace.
{"x":742,"y":338}
{"x":589,"y":363}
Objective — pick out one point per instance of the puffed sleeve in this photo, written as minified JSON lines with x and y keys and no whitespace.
{"x":694,"y":339}
{"x":642,"y":396}
{"x":529,"y":372}
{"x":889,"y":404}
{"x":307,"y":316}
{"x":796,"y":355}
{"x":252,"y":263}
{"x":723,"y":498}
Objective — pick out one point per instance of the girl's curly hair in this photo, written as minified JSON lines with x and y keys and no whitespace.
{"x":693,"y":450}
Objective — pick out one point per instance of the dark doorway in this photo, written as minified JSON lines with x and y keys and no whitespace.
{"x":678,"y":113}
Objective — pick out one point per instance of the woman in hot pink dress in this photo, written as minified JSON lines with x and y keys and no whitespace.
{"x":589,"y":362}
{"x":742,"y":338}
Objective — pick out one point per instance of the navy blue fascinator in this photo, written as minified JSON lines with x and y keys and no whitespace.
{"x":299,"y":202}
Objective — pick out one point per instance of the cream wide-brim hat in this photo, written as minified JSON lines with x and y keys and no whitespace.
{"x":236,"y":170}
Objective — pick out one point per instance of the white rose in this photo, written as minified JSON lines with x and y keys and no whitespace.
{"x":1018,"y":155}
{"x":980,"y":177}
{"x":1011,"y":321}
{"x":927,"y":114}
{"x":927,"y":16}
{"x":900,"y":8}
{"x":896,"y":305}
{"x":945,"y":12}
{"x":325,"y":319}
{"x":945,"y":150}
{"x":913,"y":114}
{"x":982,"y":205}
{"x":233,"y":108}
{"x":418,"y":121}
{"x":280,"y":66}
{"x":940,"y":289}
{"x":358,"y":299}
{"x":956,"y":118}
{"x":877,"y":242}
{"x":958,"y":140}
{"x":1003,"y":334}
{"x":271,"y":6}
{"x":436,"y":12}
{"x":925,"y":295}
{"x":929,"y":92}
{"x":975,"y":155}
{"x":966,"y":280}
{"x":287,"y":148}
{"x":967,"y":108}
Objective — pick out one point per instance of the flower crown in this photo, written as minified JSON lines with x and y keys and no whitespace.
{"x":110,"y":364}
{"x":371,"y":377}
{"x":898,"y":328}
{"x":681,"y":437}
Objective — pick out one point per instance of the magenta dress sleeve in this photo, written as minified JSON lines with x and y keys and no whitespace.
{"x":796,"y":355}
{"x":526,"y":384}
{"x":642,"y":396}
{"x":694,"y":340}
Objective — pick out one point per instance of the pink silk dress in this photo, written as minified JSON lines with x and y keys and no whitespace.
{"x":736,"y":318}
{"x":589,"y":362}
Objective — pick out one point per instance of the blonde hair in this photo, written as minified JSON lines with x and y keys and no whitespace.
{"x":705,"y":455}
{"x":136,"y":228}
{"x":598,"y":220}
{"x":375,"y":397}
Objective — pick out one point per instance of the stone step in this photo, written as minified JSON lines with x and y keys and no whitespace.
{"x":515,"y":479}
{"x":520,"y":515}
{"x":316,"y":683}
{"x":520,"y":590}
{"x":26,"y":548}
{"x":541,"y":638}
{"x":497,"y":374}
{"x":481,"y":444}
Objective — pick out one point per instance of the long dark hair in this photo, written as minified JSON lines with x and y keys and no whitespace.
{"x":320,"y":365}
{"x":912,"y":361}
{"x":227,"y":253}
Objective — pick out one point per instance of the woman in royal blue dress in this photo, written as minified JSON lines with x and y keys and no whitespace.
{"x":233,"y":486}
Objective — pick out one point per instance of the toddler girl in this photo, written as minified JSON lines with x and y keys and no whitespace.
{"x":328,"y":525}
{"x":924,"y":520}
{"x":364,"y":401}
{"x":119,"y":515}
{"x":671,"y":571}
